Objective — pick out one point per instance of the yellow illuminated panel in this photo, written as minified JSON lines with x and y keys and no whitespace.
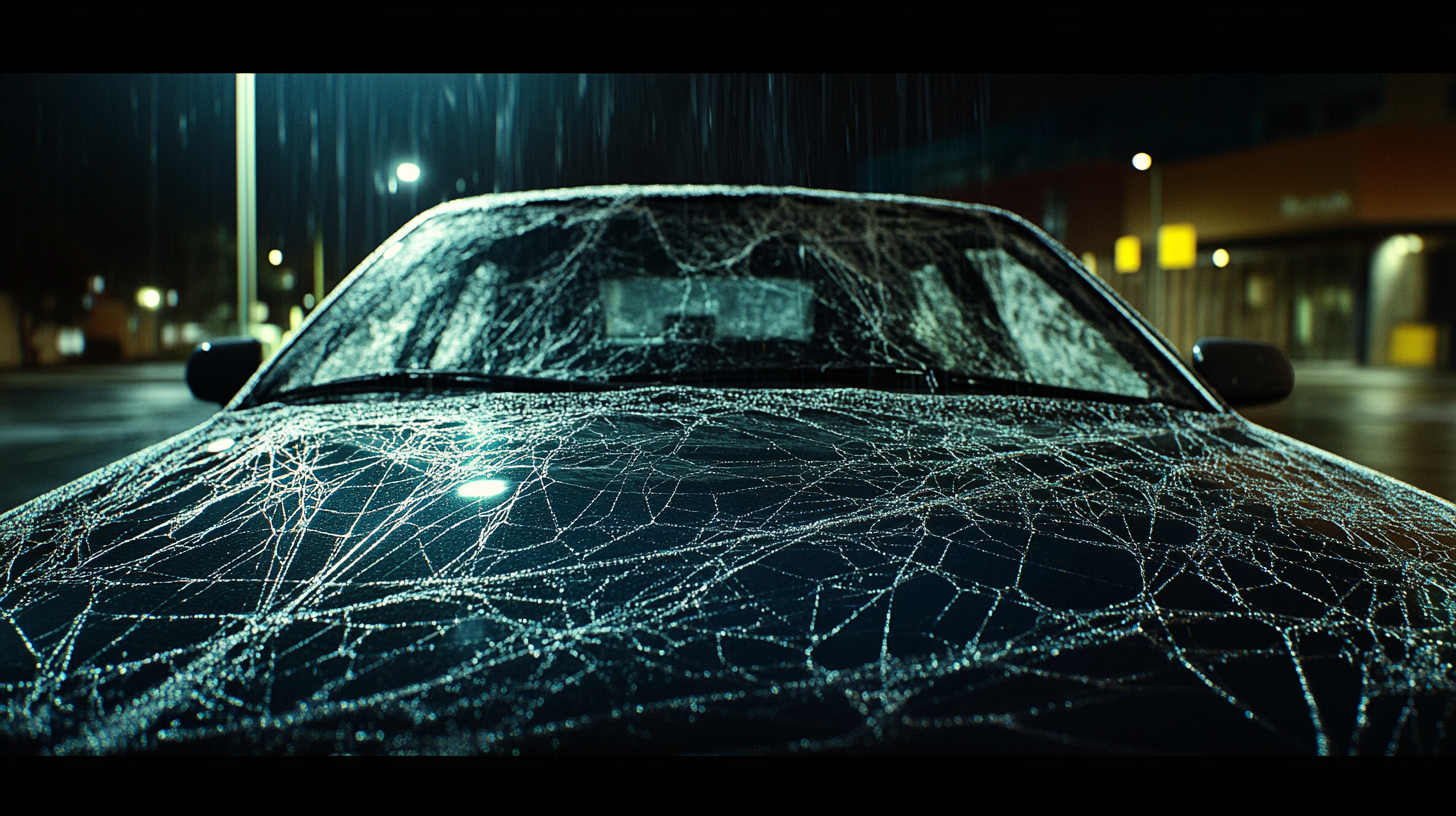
{"x":1177,"y":246}
{"x":1413,"y":344}
{"x":1127,"y":254}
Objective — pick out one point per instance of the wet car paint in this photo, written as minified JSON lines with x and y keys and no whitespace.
{"x":693,"y":570}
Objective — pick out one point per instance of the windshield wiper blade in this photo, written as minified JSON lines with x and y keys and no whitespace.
{"x":952,"y":383}
{"x":428,"y":382}
{"x":878,"y":378}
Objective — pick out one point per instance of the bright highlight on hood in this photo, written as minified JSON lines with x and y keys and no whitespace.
{"x":219,"y":445}
{"x":481,"y":488}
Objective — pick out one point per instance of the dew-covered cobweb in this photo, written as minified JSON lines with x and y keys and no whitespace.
{"x":674,"y":568}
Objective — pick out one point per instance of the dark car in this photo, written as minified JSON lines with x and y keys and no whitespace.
{"x":728,"y":470}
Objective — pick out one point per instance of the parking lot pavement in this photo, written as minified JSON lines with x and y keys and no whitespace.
{"x":1401,"y":422}
{"x":61,"y":423}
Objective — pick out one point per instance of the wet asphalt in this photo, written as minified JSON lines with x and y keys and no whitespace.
{"x":1401,"y":422}
{"x":59,"y":424}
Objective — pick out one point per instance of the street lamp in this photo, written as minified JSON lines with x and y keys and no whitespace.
{"x":408,"y":171}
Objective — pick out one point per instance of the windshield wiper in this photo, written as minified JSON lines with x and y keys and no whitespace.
{"x":981,"y":384}
{"x":428,"y":382}
{"x":425,"y":382}
{"x":878,"y":378}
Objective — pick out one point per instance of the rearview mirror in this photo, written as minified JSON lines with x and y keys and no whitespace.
{"x":1244,"y":372}
{"x":218,"y":369}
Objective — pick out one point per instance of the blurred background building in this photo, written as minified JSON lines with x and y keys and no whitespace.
{"x":1316,"y":212}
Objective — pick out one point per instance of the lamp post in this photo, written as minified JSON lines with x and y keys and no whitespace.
{"x":247,"y":148}
{"x":1144,"y":162}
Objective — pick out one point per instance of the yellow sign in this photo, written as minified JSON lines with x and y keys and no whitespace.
{"x":1127,"y":254}
{"x":1414,"y":344}
{"x":1177,"y":246}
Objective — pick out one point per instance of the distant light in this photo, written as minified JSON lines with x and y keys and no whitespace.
{"x":1127,"y":254}
{"x":1089,"y":260}
{"x":219,"y":445}
{"x":408,"y":171}
{"x":1414,"y":244}
{"x":308,"y":301}
{"x":480,"y":488}
{"x":172,"y":297}
{"x":1220,"y":258}
{"x":460,"y":185}
{"x":1142,"y":161}
{"x":287,"y":280}
{"x":149,"y":297}
{"x":1177,"y":246}
{"x":98,"y":284}
{"x":71,"y":342}
{"x":275,"y":256}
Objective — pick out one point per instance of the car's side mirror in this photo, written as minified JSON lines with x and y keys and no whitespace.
{"x":1244,"y":372}
{"x":218,"y":369}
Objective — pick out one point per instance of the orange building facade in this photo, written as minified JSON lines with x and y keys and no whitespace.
{"x":1339,"y":246}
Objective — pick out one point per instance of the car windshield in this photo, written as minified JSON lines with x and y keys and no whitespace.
{"x":646,"y":288}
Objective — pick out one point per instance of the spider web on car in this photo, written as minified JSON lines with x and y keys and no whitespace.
{"x":726,"y":570}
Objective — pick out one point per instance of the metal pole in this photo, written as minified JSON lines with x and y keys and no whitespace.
{"x":1155,"y":267}
{"x":318,"y":268}
{"x":247,"y":204}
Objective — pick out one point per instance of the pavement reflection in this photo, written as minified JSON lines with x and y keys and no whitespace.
{"x":1401,"y":422}
{"x":59,"y":424}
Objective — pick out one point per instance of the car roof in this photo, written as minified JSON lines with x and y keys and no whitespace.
{"x":624,"y":191}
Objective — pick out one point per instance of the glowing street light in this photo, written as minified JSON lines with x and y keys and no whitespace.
{"x":149,"y":298}
{"x":1142,"y":161}
{"x":408,"y":171}
{"x":1220,"y":258}
{"x":275,"y":257}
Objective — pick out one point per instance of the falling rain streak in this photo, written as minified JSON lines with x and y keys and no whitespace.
{"x":148,"y":205}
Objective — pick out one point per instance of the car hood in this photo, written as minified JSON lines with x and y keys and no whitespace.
{"x":687,"y":569}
